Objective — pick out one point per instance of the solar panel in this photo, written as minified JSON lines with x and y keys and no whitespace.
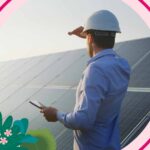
{"x":21,"y":70}
{"x":52,"y":79}
{"x":133,"y":50}
{"x":140,"y":75}
{"x":135,"y":106}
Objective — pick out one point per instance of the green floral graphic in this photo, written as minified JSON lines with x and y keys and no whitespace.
{"x":13,"y":134}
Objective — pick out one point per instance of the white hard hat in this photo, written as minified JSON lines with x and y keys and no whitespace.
{"x":102,"y":20}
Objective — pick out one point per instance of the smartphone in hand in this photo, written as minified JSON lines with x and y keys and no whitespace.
{"x":36,"y":104}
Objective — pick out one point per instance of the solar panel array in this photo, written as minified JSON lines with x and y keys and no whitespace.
{"x":52,"y":79}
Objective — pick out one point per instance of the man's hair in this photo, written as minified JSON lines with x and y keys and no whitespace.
{"x":103,"y":39}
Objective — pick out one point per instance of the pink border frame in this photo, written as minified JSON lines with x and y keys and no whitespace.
{"x":4,"y":4}
{"x":145,"y":145}
{"x":145,"y":4}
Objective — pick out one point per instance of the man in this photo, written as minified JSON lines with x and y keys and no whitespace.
{"x":95,"y":119}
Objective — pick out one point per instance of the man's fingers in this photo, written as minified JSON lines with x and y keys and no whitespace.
{"x":41,"y":111}
{"x":70,"y":33}
{"x":76,"y":31}
{"x":43,"y":108}
{"x":45,"y":117}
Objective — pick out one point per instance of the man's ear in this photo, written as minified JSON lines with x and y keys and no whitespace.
{"x":90,"y":38}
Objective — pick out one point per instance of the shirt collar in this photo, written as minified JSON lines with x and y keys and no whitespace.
{"x":101,"y":54}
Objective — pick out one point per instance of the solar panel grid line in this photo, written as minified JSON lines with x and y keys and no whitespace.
{"x":54,"y":77}
{"x":41,"y":87}
{"x":48,"y":125}
{"x":19,"y":64}
{"x":139,"y":89}
{"x":17,"y":108}
{"x":42,"y":78}
{"x":140,"y":60}
{"x":26,"y":83}
{"x":37,"y":64}
{"x":61,"y":133}
{"x":134,"y":134}
{"x":54,"y":128}
{"x":60,"y":102}
{"x":4,"y":101}
{"x":132,"y":103}
{"x":132,"y":116}
{"x":134,"y":128}
{"x":8,"y":64}
{"x":53,"y":102}
{"x":72,"y":75}
{"x":118,"y":46}
{"x":63,"y":145}
{"x":136,"y":49}
{"x":33,"y":113}
{"x":140,"y":76}
{"x":126,"y":111}
{"x":10,"y":72}
{"x":130,"y":89}
{"x":137,"y":104}
{"x":61,"y":87}
{"x":44,"y":68}
{"x":5,"y":64}
{"x":22,"y":74}
{"x":62,"y":142}
{"x":33,"y":68}
{"x":131,"y":120}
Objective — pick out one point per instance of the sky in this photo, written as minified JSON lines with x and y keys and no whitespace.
{"x":41,"y":27}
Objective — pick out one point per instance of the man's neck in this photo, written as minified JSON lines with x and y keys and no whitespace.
{"x":96,"y":50}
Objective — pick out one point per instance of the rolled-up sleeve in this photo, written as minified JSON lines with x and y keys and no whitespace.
{"x":95,"y":88}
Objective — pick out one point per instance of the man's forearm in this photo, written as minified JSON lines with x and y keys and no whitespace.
{"x":74,"y":120}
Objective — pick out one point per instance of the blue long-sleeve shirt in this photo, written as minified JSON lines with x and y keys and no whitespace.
{"x":95,"y":119}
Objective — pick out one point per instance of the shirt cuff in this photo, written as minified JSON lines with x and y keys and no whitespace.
{"x":61,"y":116}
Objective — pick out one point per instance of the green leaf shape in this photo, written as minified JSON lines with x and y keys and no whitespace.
{"x":18,"y":148}
{"x":26,"y":124}
{"x":8,"y":123}
{"x":29,"y":139}
{"x":10,"y":147}
{"x":22,"y":124}
{"x":1,"y":122}
{"x":16,"y":140}
{"x":46,"y":140}
{"x":18,"y":136}
{"x":15,"y":130}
